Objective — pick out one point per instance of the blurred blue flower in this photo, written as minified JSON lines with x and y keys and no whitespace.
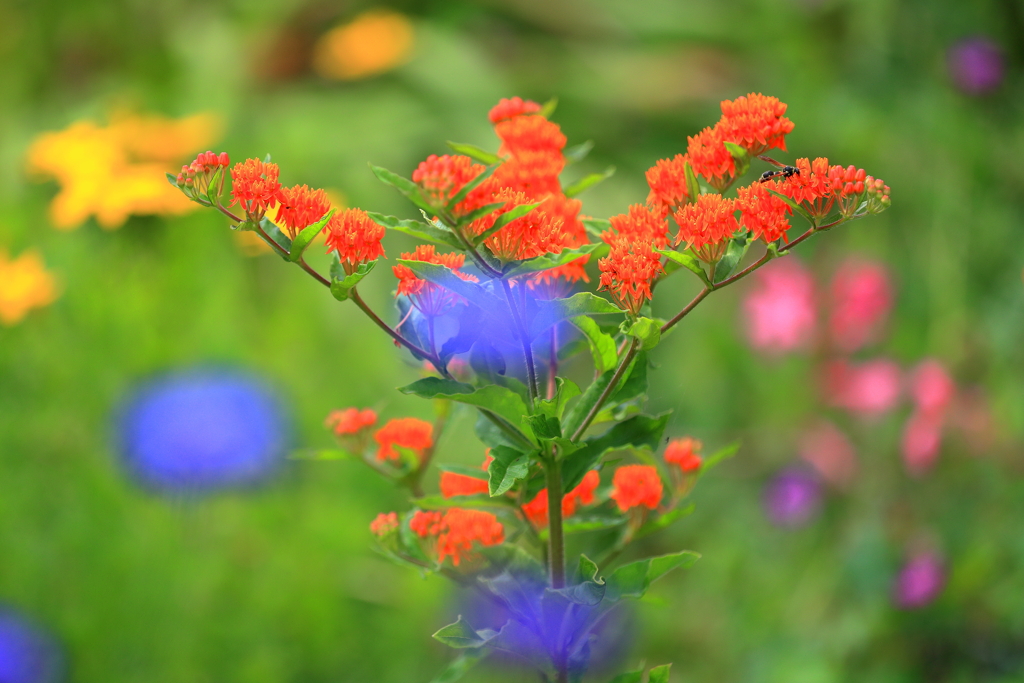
{"x":203,"y":430}
{"x":792,"y":498}
{"x":976,"y":65}
{"x":27,"y":654}
{"x":920,"y":581}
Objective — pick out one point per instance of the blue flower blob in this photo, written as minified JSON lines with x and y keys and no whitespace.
{"x":27,"y":654}
{"x":203,"y":430}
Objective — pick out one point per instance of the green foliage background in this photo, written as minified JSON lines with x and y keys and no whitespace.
{"x":279,"y":583}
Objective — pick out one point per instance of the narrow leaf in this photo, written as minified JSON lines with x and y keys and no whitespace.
{"x":405,"y":186}
{"x":692,"y":186}
{"x":445,"y":277}
{"x":588,"y":181}
{"x":474,"y":152}
{"x":720,"y":455}
{"x":733,"y":256}
{"x":503,"y":220}
{"x":549,"y":108}
{"x":461,"y":635}
{"x":324,"y":454}
{"x":463,"y":470}
{"x":686,"y":261}
{"x":417,"y":229}
{"x":548,"y":261}
{"x":578,"y":153}
{"x":793,"y":205}
{"x":740,"y":156}
{"x":459,"y":666}
{"x":173,"y":180}
{"x":470,"y":186}
{"x":306,"y":237}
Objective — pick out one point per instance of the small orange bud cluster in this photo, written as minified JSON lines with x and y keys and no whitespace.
{"x":254,"y":187}
{"x":194,"y":178}
{"x":635,"y":486}
{"x":407,"y":433}
{"x":820,"y":186}
{"x":455,"y":531}
{"x":384,"y":524}
{"x":877,"y":194}
{"x":583,"y":494}
{"x":350,"y":421}
{"x":683,"y":456}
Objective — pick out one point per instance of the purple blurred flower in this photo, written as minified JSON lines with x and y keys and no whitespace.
{"x":27,"y":654}
{"x":976,"y":65}
{"x":792,"y":498}
{"x":920,"y":581}
{"x":203,"y":430}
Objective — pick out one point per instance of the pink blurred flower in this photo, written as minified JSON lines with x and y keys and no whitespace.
{"x":829,"y":451}
{"x":861,"y":298}
{"x":931,"y":387}
{"x":922,"y":438}
{"x":920,"y":581}
{"x":779,"y":310}
{"x":869,"y":389}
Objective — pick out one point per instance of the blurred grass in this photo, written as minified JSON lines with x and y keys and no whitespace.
{"x":280,"y":583}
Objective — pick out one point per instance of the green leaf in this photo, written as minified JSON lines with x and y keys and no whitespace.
{"x":445,"y":277}
{"x":582,"y":524}
{"x":482,"y":211}
{"x":324,"y":454}
{"x":634,"y":382}
{"x":647,"y":331}
{"x":586,"y":569}
{"x":474,"y":152}
{"x":549,"y":108}
{"x":565,"y":391}
{"x":596,"y":226}
{"x":663,"y":521}
{"x":629,"y":677}
{"x":639,"y":431}
{"x":499,"y":400}
{"x":740,"y":156}
{"x":214,"y":188}
{"x":632,"y":580}
{"x":503,"y":220}
{"x":459,"y":666}
{"x":588,"y":593}
{"x":720,"y":455}
{"x":588,"y":181}
{"x":686,"y":261}
{"x":461,"y":635}
{"x":417,"y":229}
{"x":470,"y":186}
{"x":306,"y":237}
{"x":578,"y":153}
{"x":279,"y":238}
{"x":602,"y":346}
{"x":173,"y":180}
{"x":508,"y":467}
{"x":342,"y":284}
{"x":407,"y":187}
{"x":548,"y":261}
{"x":588,"y":400}
{"x":692,"y":186}
{"x":552,"y":311}
{"x":733,"y":256}
{"x":659,"y":674}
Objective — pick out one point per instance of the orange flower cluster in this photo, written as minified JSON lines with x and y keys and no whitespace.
{"x":685,"y":453}
{"x":531,"y":235}
{"x":384,"y":524}
{"x":755,"y":122}
{"x":639,"y":224}
{"x":628,"y":271}
{"x":706,"y":225}
{"x":350,"y":421}
{"x":511,"y":108}
{"x":583,"y":494}
{"x":301,"y":207}
{"x":453,"y":484}
{"x":356,"y":238}
{"x":763,"y":213}
{"x":710,"y":158}
{"x":636,"y":486}
{"x":443,"y":177}
{"x":667,"y":180}
{"x":429,"y":298}
{"x":254,"y":187}
{"x":407,"y":433}
{"x":205,"y":164}
{"x":456,"y":530}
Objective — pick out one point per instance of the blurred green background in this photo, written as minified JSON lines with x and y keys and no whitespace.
{"x":280,"y":583}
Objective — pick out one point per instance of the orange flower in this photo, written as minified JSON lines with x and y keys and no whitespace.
{"x":583,"y":494}
{"x":532,"y":172}
{"x":573,"y":234}
{"x":356,"y":238}
{"x":531,"y":235}
{"x":755,"y":122}
{"x":667,"y":180}
{"x":763,"y":213}
{"x":640,"y":224}
{"x":529,"y":133}
{"x":442,"y":177}
{"x":384,"y":524}
{"x":811,"y":186}
{"x":301,"y":207}
{"x":685,"y":453}
{"x":710,"y":158}
{"x":453,"y":484}
{"x":636,"y":486}
{"x":24,"y":284}
{"x":706,"y":225}
{"x":457,"y":530}
{"x":429,"y":298}
{"x":509,"y":109}
{"x":350,"y":421}
{"x":628,"y":271}
{"x":406,"y":432}
{"x":255,"y":188}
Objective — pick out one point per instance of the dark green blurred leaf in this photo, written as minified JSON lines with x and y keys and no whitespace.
{"x":733,"y":256}
{"x":554,"y":311}
{"x":659,"y":674}
{"x":647,"y":331}
{"x":581,"y":524}
{"x":692,"y":186}
{"x":602,"y":346}
{"x":632,"y":580}
{"x":588,"y":181}
{"x":459,"y":666}
{"x":475,"y":153}
{"x":578,"y":153}
{"x":497,"y":399}
{"x":417,"y":229}
{"x":663,"y":521}
{"x":306,"y":237}
{"x":485,"y":210}
{"x":548,"y":261}
{"x":469,"y":187}
{"x":508,"y":467}
{"x":461,"y":635}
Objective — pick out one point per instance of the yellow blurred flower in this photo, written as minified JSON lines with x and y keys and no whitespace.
{"x":374,"y":42}
{"x":118,"y":171}
{"x":24,"y":285}
{"x":252,"y":244}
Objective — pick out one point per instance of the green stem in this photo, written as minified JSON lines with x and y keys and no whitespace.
{"x":354,"y":295}
{"x":634,"y":346}
{"x":524,"y":337}
{"x":556,"y":539}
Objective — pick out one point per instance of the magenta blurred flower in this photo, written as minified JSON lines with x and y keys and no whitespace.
{"x":976,"y":65}
{"x":920,"y":581}
{"x":779,"y":310}
{"x":931,"y":387}
{"x":861,"y":298}
{"x":868,"y":389}
{"x":828,"y":450}
{"x":922,"y":438}
{"x":792,"y":498}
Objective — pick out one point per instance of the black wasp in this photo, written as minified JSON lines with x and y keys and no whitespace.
{"x":785,"y":172}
